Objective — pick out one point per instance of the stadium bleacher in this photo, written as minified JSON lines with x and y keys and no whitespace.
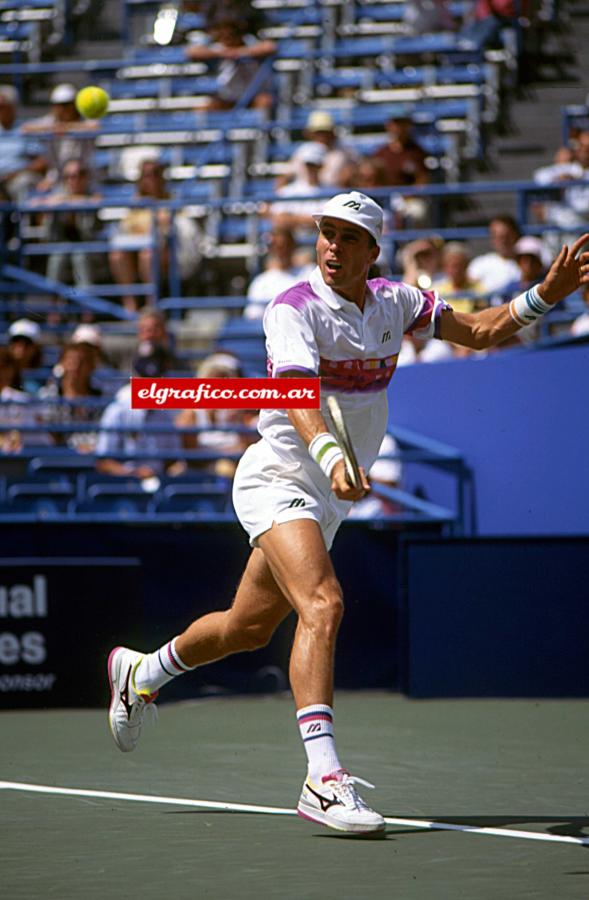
{"x":357,"y":61}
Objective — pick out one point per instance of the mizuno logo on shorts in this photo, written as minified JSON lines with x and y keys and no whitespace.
{"x":298,"y":501}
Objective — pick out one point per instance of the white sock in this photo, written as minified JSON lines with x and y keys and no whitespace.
{"x":156,"y":669}
{"x":316,"y":727}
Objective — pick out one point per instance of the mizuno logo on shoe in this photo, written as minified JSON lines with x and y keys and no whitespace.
{"x":125,"y":695}
{"x":326,"y":802}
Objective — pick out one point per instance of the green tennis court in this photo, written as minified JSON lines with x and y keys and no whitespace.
{"x":518,"y":767}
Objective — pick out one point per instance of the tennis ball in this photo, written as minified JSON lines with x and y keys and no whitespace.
{"x":92,"y":102}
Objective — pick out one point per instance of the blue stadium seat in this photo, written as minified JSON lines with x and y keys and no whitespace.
{"x":122,"y":500}
{"x":197,"y":498}
{"x":43,"y":500}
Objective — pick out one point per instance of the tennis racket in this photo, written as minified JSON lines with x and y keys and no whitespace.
{"x":343,"y":439}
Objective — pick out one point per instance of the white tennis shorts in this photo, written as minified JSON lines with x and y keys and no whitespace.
{"x":266,"y":489}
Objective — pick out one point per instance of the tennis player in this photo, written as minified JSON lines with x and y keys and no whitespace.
{"x":291,"y":492}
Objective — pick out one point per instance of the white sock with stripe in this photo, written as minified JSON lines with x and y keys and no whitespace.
{"x":156,"y":669}
{"x":316,"y":726}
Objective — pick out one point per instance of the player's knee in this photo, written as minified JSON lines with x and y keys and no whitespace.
{"x":326,"y":609}
{"x":248,"y":636}
{"x":256,"y":636}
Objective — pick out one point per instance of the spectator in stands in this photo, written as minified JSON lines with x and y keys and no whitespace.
{"x":498,"y":268}
{"x":152,"y":454}
{"x":464,"y":294}
{"x":131,"y":256}
{"x":571,"y":208}
{"x":403,"y":158}
{"x":428,"y":17}
{"x":60,"y":146}
{"x":404,"y":165}
{"x":580,"y":326}
{"x":281,"y":271}
{"x":415,"y":351}
{"x":154,"y":354}
{"x":222,"y":443}
{"x":72,"y":381}
{"x":72,"y":227}
{"x":421,"y":261}
{"x":22,"y":163}
{"x":239,"y":9}
{"x":299,"y":213}
{"x":339,"y":162}
{"x":24,"y":346}
{"x":240,"y":57}
{"x":16,"y":411}
{"x":90,"y":336}
{"x":533,"y":262}
{"x":563,"y":168}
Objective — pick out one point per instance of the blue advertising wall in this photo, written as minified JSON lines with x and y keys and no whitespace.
{"x":521,"y":418}
{"x":70,"y":593}
{"x":496,"y":618}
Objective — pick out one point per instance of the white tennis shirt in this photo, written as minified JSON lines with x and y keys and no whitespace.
{"x":313,"y":330}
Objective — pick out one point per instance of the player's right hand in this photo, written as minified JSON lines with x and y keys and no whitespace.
{"x":341,"y":487}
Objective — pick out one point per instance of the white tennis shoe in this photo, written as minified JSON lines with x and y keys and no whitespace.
{"x":127,"y":707}
{"x":337,"y":804}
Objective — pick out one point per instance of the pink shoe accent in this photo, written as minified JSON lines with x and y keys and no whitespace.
{"x":335,"y":776}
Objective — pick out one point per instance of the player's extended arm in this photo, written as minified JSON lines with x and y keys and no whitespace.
{"x":494,"y":325}
{"x":310,"y":424}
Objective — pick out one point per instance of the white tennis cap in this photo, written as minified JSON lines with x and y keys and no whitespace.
{"x":24,"y":328}
{"x":63,"y":93}
{"x":87,"y":334}
{"x":356,"y":208}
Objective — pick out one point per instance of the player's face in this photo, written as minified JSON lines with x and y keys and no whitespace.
{"x":344,"y":256}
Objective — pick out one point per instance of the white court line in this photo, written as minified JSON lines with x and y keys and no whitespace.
{"x":282,"y":811}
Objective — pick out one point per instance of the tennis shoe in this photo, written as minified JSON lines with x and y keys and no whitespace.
{"x":337,"y":804}
{"x":127,"y":706}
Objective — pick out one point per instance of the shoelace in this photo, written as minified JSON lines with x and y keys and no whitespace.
{"x":144,"y":710}
{"x":346,"y":791}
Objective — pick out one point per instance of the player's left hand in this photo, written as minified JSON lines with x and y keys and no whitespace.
{"x":342,"y":488}
{"x":567,"y":272}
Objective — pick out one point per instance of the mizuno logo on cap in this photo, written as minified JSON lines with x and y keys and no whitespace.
{"x":353,"y":204}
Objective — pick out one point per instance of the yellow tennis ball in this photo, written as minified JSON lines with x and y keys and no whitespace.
{"x":92,"y":102}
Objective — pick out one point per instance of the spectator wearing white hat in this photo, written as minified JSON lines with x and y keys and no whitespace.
{"x":299,"y":213}
{"x":62,"y":118}
{"x":339,"y":161}
{"x":22,"y":163}
{"x":532,"y":260}
{"x":90,"y":336}
{"x":24,"y":346}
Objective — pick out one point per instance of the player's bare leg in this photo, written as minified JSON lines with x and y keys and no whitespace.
{"x":302,"y":568}
{"x":257,"y":610}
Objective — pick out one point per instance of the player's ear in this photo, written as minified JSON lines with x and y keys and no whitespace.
{"x":374,"y":253}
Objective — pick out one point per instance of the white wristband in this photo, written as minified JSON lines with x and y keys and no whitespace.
{"x":325,"y":450}
{"x":526,"y":308}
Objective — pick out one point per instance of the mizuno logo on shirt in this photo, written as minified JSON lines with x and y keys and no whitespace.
{"x":386,"y":337}
{"x":298,"y":501}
